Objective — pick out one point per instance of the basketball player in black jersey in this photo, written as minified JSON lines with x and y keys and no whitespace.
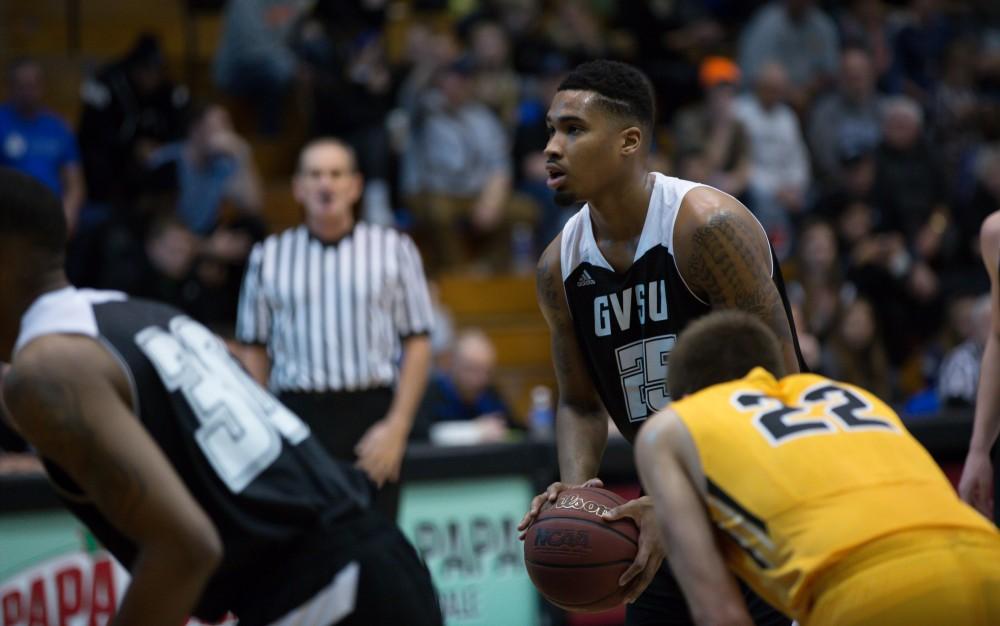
{"x":212,"y":494}
{"x":645,"y":255}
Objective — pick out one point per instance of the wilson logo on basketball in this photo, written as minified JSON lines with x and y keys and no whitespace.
{"x":573,"y":501}
{"x":558,"y":538}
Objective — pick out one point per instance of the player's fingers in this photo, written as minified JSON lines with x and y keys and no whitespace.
{"x":536,"y":506}
{"x":633,"y":570}
{"x":620,"y":511}
{"x":553,"y":491}
{"x":639,"y":584}
{"x":593,"y":482}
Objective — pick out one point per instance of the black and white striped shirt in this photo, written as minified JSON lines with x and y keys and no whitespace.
{"x":332,"y":315}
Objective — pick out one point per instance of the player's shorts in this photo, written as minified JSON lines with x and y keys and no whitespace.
{"x":927,"y":577}
{"x":663,"y":604}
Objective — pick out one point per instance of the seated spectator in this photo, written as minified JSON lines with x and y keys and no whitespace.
{"x":457,"y":176}
{"x":909,"y":180}
{"x":255,"y":58}
{"x":848,"y":119}
{"x":214,"y":167}
{"x":864,"y":24}
{"x":35,"y":141}
{"x":920,"y":48}
{"x":497,"y":85}
{"x":855,"y":353}
{"x":779,"y":161}
{"x":130,"y":108}
{"x":801,"y":38}
{"x":712,"y":130}
{"x":958,"y":379}
{"x":466,"y":392}
{"x":817,"y":270}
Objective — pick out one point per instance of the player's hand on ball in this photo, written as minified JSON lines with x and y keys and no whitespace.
{"x":542,"y":500}
{"x":651,"y":551}
{"x":976,"y":484}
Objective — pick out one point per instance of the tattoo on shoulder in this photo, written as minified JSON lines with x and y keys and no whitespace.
{"x":725,"y":265}
{"x":63,"y":428}
{"x":547,"y":286}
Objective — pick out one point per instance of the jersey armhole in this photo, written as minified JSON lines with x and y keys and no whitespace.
{"x":133,"y":388}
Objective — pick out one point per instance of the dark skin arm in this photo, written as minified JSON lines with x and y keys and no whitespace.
{"x":723,"y":255}
{"x":81,"y":419}
{"x":582,"y":428}
{"x":581,"y":421}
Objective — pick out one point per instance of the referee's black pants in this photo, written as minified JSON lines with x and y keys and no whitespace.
{"x":338,"y":420}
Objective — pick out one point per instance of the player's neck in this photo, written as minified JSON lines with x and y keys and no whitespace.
{"x":620,"y":213}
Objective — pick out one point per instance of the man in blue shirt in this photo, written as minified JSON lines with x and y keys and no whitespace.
{"x":38,"y":143}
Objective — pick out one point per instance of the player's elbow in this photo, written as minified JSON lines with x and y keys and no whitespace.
{"x":200,"y":550}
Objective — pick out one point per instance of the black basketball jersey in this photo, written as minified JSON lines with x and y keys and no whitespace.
{"x":627,"y":323}
{"x":250,"y":463}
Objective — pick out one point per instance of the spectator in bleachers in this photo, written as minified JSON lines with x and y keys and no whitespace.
{"x":864,"y":24}
{"x":920,"y":49}
{"x":466,"y":391}
{"x":848,"y":119}
{"x":214,"y":167}
{"x":910,"y":183}
{"x":965,"y":262}
{"x":711,"y":130}
{"x":780,"y":172}
{"x":36,"y":141}
{"x":255,"y":58}
{"x":352,"y":91}
{"x":457,"y":175}
{"x":958,"y":379}
{"x":801,"y":38}
{"x":855,"y":353}
{"x":817,"y":269}
{"x":130,"y":108}
{"x":496,"y":84}
{"x":666,"y":38}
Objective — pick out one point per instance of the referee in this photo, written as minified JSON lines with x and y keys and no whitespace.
{"x":324,"y":310}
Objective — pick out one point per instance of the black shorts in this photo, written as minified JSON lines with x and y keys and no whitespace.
{"x":663,"y":604}
{"x":384,"y":580}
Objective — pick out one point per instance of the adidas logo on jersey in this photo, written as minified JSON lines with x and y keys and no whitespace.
{"x":585,"y":280}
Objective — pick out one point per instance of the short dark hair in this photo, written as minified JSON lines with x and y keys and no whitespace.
{"x":30,"y":212}
{"x":623,"y":89}
{"x":719,"y":347}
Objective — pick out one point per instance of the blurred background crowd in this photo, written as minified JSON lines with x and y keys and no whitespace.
{"x":865,"y":136}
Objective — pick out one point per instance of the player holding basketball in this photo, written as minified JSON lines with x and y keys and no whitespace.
{"x":209,"y":491}
{"x":645,"y":255}
{"x":816,"y":495}
{"x":976,"y":485}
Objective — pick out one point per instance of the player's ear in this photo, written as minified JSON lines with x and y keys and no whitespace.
{"x":631,"y":140}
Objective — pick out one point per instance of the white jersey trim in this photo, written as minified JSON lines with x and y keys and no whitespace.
{"x":331,"y":604}
{"x":66,"y":311}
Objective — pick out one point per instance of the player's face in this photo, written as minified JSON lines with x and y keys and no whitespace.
{"x":327,"y":184}
{"x":581,"y":154}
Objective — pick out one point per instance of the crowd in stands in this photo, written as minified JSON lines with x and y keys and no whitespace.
{"x":865,"y":136}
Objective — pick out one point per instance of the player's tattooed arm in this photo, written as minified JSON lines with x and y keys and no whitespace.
{"x":725,"y":259}
{"x":581,"y":421}
{"x":78,"y":418}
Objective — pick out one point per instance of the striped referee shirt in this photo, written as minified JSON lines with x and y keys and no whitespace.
{"x":332,"y":315}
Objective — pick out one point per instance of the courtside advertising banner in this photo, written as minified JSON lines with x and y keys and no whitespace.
{"x":466,"y":532}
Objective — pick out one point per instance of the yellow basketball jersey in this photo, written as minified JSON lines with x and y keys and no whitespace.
{"x":802,"y":470}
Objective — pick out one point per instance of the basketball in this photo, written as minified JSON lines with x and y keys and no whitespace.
{"x":574,"y":557}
